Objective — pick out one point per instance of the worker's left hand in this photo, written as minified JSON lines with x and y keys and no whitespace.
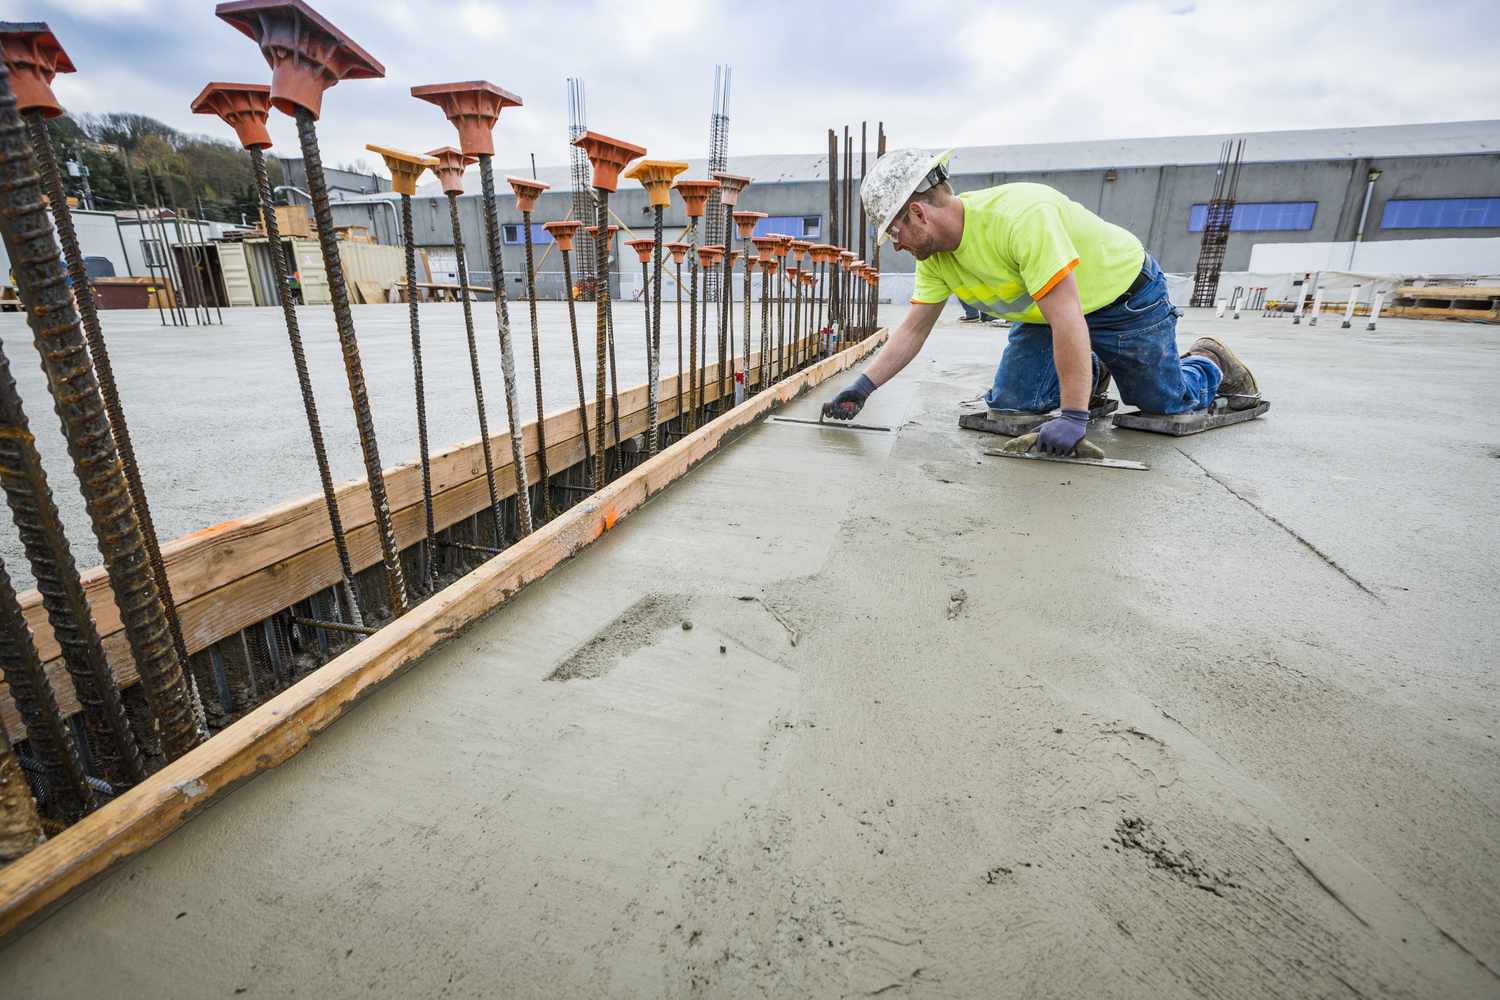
{"x":1061,"y":434}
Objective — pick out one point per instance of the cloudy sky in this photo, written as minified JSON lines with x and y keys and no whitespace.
{"x":956,"y":73}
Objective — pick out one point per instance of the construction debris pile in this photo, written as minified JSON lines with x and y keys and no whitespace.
{"x":98,"y":702}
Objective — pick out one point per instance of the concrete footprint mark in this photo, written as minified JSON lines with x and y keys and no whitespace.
{"x":634,"y":628}
{"x":1137,"y":834}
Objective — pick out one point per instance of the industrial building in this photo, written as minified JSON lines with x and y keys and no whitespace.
{"x":1423,"y":181}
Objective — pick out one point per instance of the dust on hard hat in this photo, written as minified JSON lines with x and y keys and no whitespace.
{"x":897,"y":176}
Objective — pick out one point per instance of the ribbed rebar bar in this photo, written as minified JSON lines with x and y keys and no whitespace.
{"x":37,"y":706}
{"x":281,"y":274}
{"x":583,"y":406}
{"x":59,"y":338}
{"x":726,"y":310}
{"x":428,"y":562}
{"x":484,"y":423}
{"x":354,"y":369}
{"x":678,"y":267}
{"x":536,"y":374}
{"x":765,"y":327}
{"x":601,"y":329}
{"x":692,"y":374}
{"x":40,"y":529}
{"x":748,"y":250}
{"x":83,"y":296}
{"x":653,"y":344}
{"x":507,"y":352}
{"x":614,"y":387}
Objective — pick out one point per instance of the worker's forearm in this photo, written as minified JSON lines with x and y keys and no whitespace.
{"x":904,"y":345}
{"x":1075,"y":370}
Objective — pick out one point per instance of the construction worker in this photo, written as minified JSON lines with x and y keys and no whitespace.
{"x":1077,"y":291}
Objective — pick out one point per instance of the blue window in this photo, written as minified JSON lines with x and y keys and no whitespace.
{"x":1260,"y":216}
{"x":1441,"y":213}
{"x":802,"y":227}
{"x":513,"y":236}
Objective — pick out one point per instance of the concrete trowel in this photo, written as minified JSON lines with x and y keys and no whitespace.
{"x":1085,"y":453}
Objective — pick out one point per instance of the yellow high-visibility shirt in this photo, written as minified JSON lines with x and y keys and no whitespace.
{"x":1019,"y":241}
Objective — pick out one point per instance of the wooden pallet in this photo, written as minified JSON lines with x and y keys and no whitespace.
{"x":1476,"y":303}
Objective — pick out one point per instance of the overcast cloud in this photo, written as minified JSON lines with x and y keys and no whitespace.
{"x":954,"y":73}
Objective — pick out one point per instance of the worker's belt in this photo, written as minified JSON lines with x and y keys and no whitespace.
{"x":1141,"y":281}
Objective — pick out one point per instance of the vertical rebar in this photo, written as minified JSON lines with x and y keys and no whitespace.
{"x":20,"y":827}
{"x":536,"y":374}
{"x":59,"y":339}
{"x":748,"y":250}
{"x":765,"y":326}
{"x":40,"y":529}
{"x":484,"y":429}
{"x":653,"y":360}
{"x":692,"y":414}
{"x":833,"y":218}
{"x":164,"y":247}
{"x":614,"y":384}
{"x":37,"y":706}
{"x":864,"y":141}
{"x":507,"y":354}
{"x":797,"y":320}
{"x":208,"y":269}
{"x":678,"y":265}
{"x":583,"y":408}
{"x":140,"y":230}
{"x":354,"y":369}
{"x":726,"y":310}
{"x":304,"y":379}
{"x":428,"y":548}
{"x":189,"y":261}
{"x":601,"y":330}
{"x":780,"y":317}
{"x":879,"y":152}
{"x":650,"y":389}
{"x":703,"y":350}
{"x":189,"y":279}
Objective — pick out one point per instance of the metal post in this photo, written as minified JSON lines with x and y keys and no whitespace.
{"x":1317,"y":305}
{"x":1375,"y":310}
{"x":583,"y":408}
{"x":484,"y":428}
{"x":304,"y":381}
{"x":507,"y":355}
{"x":536,"y":374}
{"x":1349,"y":308}
{"x":353,"y":368}
{"x":41,"y":533}
{"x":59,"y":339}
{"x":601,"y":330}
{"x":428,"y":549}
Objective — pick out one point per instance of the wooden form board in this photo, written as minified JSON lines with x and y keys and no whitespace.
{"x":236,"y":573}
{"x":274,"y":732}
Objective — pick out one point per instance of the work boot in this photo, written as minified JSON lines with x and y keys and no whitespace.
{"x":1100,"y":395}
{"x":1238,"y":386}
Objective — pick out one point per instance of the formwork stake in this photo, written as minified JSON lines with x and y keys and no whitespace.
{"x":58,"y":335}
{"x":405,"y":169}
{"x":40,"y":529}
{"x":473,"y":107}
{"x":245,"y":108}
{"x":527,"y":191}
{"x":608,"y":156}
{"x":450,"y":173}
{"x":656,"y":177}
{"x":563,"y":233}
{"x":307,"y":55}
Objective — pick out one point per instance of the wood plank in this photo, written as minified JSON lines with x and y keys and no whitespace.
{"x":236,"y":573}
{"x":273,"y":733}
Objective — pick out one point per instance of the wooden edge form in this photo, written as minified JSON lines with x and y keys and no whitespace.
{"x":280,"y":728}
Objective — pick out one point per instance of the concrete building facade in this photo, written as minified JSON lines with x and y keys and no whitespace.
{"x":1438,"y":180}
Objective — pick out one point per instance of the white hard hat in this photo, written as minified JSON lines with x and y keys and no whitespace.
{"x":895,"y":177}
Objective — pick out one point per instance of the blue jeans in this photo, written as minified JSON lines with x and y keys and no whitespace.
{"x":1136,"y":338}
{"x":970,"y":312}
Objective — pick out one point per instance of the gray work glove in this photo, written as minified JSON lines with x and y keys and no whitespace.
{"x":1061,"y":434}
{"x":847,"y":404}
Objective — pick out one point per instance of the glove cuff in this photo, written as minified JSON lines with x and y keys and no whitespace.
{"x":863,"y":386}
{"x":1081,"y":416}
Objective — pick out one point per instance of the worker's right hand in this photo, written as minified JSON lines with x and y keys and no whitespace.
{"x":847,"y":404}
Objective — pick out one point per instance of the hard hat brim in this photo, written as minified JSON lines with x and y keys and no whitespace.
{"x":883,"y":233}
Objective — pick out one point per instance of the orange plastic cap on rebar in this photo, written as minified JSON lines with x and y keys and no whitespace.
{"x":730,"y":186}
{"x":594,"y":231}
{"x":472,"y":106}
{"x":765,"y":246}
{"x":527,"y":191}
{"x":708,"y":255}
{"x":33,"y":56}
{"x":679,"y":250}
{"x":643,"y":247}
{"x":406,"y":168}
{"x":694,"y":195}
{"x":769,"y":266}
{"x":608,"y":156}
{"x":562,"y":232}
{"x":801,"y":247}
{"x":306,"y":53}
{"x":745,"y":222}
{"x":656,"y":177}
{"x":782,"y":247}
{"x":242,"y":106}
{"x":450,"y":167}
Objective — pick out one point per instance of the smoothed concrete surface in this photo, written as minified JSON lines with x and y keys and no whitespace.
{"x":216,"y":416}
{"x":943,"y":724}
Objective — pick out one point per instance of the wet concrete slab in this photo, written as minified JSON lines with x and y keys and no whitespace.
{"x":940,"y":723}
